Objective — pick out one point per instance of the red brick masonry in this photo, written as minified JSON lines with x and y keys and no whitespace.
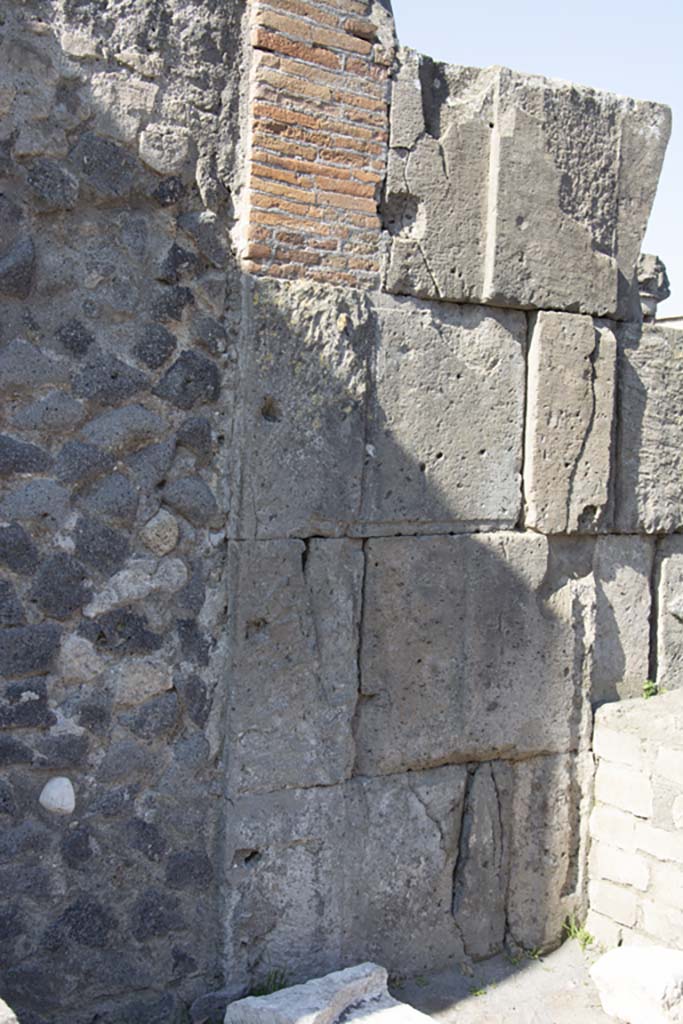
{"x":319,"y":120}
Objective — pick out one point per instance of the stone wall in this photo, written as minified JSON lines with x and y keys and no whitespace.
{"x":636,"y":857}
{"x":309,"y":586}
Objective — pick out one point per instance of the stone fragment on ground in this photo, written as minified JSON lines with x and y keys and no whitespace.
{"x":641,"y":984}
{"x":355,"y":994}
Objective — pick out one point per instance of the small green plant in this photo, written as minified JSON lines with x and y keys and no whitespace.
{"x":477,"y":991}
{"x":650,"y":688}
{"x":273,"y":981}
{"x":533,"y":954}
{"x":574,"y":930}
{"x":397,"y":981}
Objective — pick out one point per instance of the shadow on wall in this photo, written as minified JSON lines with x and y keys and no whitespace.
{"x":405,"y":708}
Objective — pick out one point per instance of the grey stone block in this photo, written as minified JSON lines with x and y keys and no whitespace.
{"x":570,"y":424}
{"x":193,"y":379}
{"x":650,"y":445}
{"x":54,"y":187}
{"x":115,"y":498}
{"x":75,"y":337}
{"x":17,"y":550}
{"x":17,"y":269}
{"x":445,"y":420}
{"x":295,"y":632}
{"x":43,"y":502}
{"x":301,"y":428}
{"x":60,"y":588}
{"x":195,"y":434}
{"x":11,"y":610}
{"x":155,"y":345}
{"x":124,"y":428}
{"x":23,"y":367}
{"x":106,"y":168}
{"x":78,"y":462}
{"x":122,"y":631}
{"x":516,"y":190}
{"x":108,"y":380}
{"x":171,"y":302}
{"x":193,"y":499}
{"x":24,"y":705}
{"x":20,"y":457}
{"x":53,"y":414}
{"x":322,"y":877}
{"x":470,"y":622}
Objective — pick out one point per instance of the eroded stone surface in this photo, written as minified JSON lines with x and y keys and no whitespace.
{"x":569,"y":432}
{"x":517,"y":190}
{"x":670,"y":614}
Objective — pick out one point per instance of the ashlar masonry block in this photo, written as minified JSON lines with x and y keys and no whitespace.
{"x":464,"y":656}
{"x":516,"y":190}
{"x":568,"y":447}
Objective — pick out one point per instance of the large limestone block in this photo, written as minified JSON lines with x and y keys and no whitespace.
{"x":445,"y":424}
{"x":358,"y":994}
{"x":517,"y":190}
{"x":641,"y":984}
{"x":293,"y":684}
{"x":466,"y":655}
{"x":568,"y":445}
{"x":328,"y":876}
{"x":650,"y":444}
{"x":670,"y":613}
{"x":300,"y":435}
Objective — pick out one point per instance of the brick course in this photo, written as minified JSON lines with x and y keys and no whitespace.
{"x":319,"y":117}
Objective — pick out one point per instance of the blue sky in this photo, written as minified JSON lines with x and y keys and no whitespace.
{"x":620,"y":46}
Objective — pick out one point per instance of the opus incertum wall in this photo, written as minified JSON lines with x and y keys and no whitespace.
{"x":335,"y":464}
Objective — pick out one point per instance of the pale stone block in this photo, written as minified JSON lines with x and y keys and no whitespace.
{"x":7,"y":1016}
{"x":649,"y":495}
{"x":669,"y":764}
{"x":659,"y":843}
{"x":464,"y":655}
{"x":612,"y":901}
{"x":487,"y":201}
{"x":120,"y":102}
{"x":58,"y":797}
{"x":615,"y":865}
{"x":358,"y":994}
{"x":321,"y":876}
{"x":300,"y":432}
{"x":570,"y":408}
{"x":446,"y":420}
{"x":677,"y":812}
{"x":641,"y":985}
{"x":607,"y":933}
{"x":667,"y":886}
{"x":294,"y":623}
{"x":609,"y":825}
{"x":670,"y":620}
{"x":617,"y":747}
{"x":623,"y":787}
{"x":663,"y":922}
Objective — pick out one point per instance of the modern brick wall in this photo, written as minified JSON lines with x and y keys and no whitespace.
{"x":319,"y":131}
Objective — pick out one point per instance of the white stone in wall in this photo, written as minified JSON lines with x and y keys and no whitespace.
{"x":58,"y":797}
{"x":613,"y":901}
{"x":626,"y":788}
{"x":569,"y":425}
{"x":670,"y":616}
{"x":641,"y":985}
{"x":6,"y":1014}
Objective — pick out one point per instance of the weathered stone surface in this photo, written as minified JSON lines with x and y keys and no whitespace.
{"x":466,"y":620}
{"x":105,"y":378}
{"x":516,"y":190}
{"x":40,"y":501}
{"x":446,"y":418}
{"x":295,"y":630}
{"x":99,"y":546}
{"x":23,"y":367}
{"x":670,"y":613}
{"x":319,"y":877}
{"x":114,"y":497}
{"x":650,"y":441}
{"x":160,"y":533}
{"x":193,"y":498}
{"x":56,"y":412}
{"x":11,"y":611}
{"x":53,"y":185}
{"x":302,"y":425}
{"x":653,"y":284}
{"x":20,"y":457}
{"x":17,"y":268}
{"x":155,"y":345}
{"x":60,"y":586}
{"x":139,"y":580}
{"x":79,"y":463}
{"x":570,"y":411}
{"x":641,"y":985}
{"x":358,"y":994}
{"x":17,"y":550}
{"x":124,"y":428}
{"x":25,"y":650}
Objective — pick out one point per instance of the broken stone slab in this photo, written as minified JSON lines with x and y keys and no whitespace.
{"x":517,"y":190}
{"x":320,"y":877}
{"x":355,"y":994}
{"x":295,"y":623}
{"x":446,"y":418}
{"x":568,"y":445}
{"x":650,"y":437}
{"x":301,"y":422}
{"x":641,"y":984}
{"x":468,"y":653}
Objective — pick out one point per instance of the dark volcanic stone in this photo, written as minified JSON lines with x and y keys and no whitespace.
{"x":169,"y":191}
{"x":17,"y":550}
{"x":26,"y":650}
{"x":53,"y":186}
{"x":194,"y":500}
{"x":107,"y":379}
{"x":169,"y":305}
{"x":65,"y":751}
{"x":59,"y":588}
{"x":24,"y":705}
{"x":17,"y":269}
{"x":153,"y":914}
{"x":21,"y":457}
{"x":194,"y":696}
{"x":88,"y":922}
{"x":75,"y":847}
{"x":11,"y":611}
{"x":155,"y":717}
{"x":177,"y":262}
{"x":192,"y":379}
{"x":194,"y":645}
{"x":114,"y":498}
{"x":210,"y":333}
{"x":74,"y":337}
{"x":155,"y":345}
{"x":13,"y":751}
{"x":147,"y":838}
{"x":100,"y":546}
{"x":122,"y":631}
{"x":8,"y":804}
{"x":79,"y":462}
{"x":195,"y":434}
{"x":106,"y":167}
{"x":188,"y":869}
